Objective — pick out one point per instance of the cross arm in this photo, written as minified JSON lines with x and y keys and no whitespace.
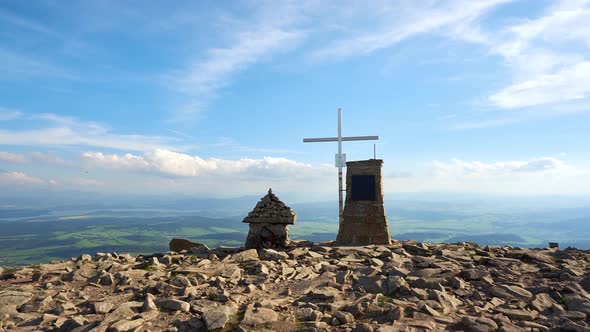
{"x":344,"y":139}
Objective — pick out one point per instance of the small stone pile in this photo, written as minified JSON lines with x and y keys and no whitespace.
{"x":268,"y":223}
{"x":403,"y":286}
{"x":271,"y":207}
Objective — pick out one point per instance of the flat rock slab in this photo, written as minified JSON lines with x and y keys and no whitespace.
{"x":510,"y":292}
{"x":478,"y":324}
{"x":173,"y":304}
{"x":10,"y":300}
{"x":576,"y":302}
{"x":246,"y":255}
{"x":216,"y":317}
{"x":123,"y":311}
{"x":517,"y":314}
{"x":126,"y":325}
{"x":102,"y":307}
{"x":542,"y":302}
{"x":259,"y":316}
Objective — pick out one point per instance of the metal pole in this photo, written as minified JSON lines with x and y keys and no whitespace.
{"x":344,"y":139}
{"x":340,"y":203}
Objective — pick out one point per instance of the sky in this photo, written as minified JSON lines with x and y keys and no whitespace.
{"x":213,"y":98}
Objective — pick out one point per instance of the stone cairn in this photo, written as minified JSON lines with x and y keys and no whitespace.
{"x":269,"y":222}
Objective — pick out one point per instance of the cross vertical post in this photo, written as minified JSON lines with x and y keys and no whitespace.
{"x":340,"y":157}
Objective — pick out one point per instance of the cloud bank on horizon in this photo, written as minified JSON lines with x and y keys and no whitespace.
{"x":478,"y":96}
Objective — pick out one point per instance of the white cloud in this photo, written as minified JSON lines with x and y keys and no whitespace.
{"x":49,"y":158}
{"x":17,"y":158}
{"x":66,"y":131}
{"x":471,"y":168}
{"x":565,"y":85}
{"x":169,"y":171}
{"x":548,"y":57}
{"x":568,"y":84}
{"x":172,"y":163}
{"x":206,"y":76}
{"x":201,"y":79}
{"x":541,"y":176}
{"x":126,"y":161}
{"x":19,"y":178}
{"x":400,"y":20}
{"x":29,"y":157}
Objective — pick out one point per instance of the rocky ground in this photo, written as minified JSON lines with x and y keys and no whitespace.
{"x":406,"y":286}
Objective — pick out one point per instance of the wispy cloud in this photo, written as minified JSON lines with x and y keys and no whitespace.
{"x":67,"y":131}
{"x":536,"y":176}
{"x":17,"y":158}
{"x":568,"y":84}
{"x":32,"y":157}
{"x":17,"y":66}
{"x":24,"y":180}
{"x":548,"y":56}
{"x":200,"y":81}
{"x":547,"y":62}
{"x":11,"y":19}
{"x":401,"y":20}
{"x":20,"y":178}
{"x":471,"y":168}
{"x":546,"y":175}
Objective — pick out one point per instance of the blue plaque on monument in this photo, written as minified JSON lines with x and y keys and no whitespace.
{"x":363,"y":187}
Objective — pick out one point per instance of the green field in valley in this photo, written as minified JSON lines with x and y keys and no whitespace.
{"x":30,"y":237}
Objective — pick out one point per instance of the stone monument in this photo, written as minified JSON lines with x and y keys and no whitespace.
{"x":269,"y":222}
{"x":364,"y":220}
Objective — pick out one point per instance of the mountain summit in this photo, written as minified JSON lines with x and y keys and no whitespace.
{"x":404,"y":286}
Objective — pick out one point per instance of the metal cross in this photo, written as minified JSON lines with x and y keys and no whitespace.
{"x":340,"y":158}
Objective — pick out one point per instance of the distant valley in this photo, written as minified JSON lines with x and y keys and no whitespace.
{"x":37,"y":234}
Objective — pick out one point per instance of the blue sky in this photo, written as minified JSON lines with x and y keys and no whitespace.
{"x":214,"y":97}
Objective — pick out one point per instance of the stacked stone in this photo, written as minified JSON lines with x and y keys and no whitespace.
{"x":270,"y":206}
{"x":268,"y":223}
